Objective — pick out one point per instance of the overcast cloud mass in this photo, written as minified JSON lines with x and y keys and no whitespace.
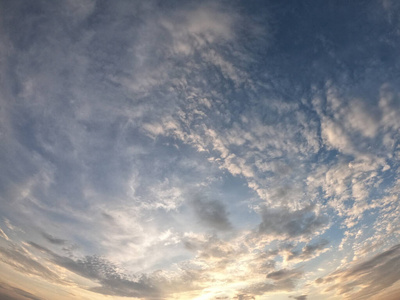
{"x":199,"y":149}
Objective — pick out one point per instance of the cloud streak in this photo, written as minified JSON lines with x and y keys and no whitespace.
{"x":13,"y":293}
{"x":367,"y":278}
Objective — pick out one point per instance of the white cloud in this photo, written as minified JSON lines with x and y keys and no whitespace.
{"x":193,"y":27}
{"x":3,"y":235}
{"x":360,"y":119}
{"x":335,"y":137}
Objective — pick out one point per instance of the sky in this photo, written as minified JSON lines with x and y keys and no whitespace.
{"x":243,"y":150}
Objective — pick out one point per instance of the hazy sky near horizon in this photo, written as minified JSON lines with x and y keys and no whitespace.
{"x":199,"y":149}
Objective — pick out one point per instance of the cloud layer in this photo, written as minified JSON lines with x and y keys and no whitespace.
{"x":213,"y":150}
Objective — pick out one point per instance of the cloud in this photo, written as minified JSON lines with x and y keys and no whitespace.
{"x":104,"y":272}
{"x":3,"y":235}
{"x":283,"y":280}
{"x":367,"y":278}
{"x":257,"y":289}
{"x":301,"y":297}
{"x":116,"y":281}
{"x":195,"y":26}
{"x":309,"y":251}
{"x":211,"y":213}
{"x":23,"y":261}
{"x":284,"y":223}
{"x":9,"y":292}
{"x":335,"y":136}
{"x":80,"y":9}
{"x":53,"y":240}
{"x":283,"y":274}
{"x":113,"y":112}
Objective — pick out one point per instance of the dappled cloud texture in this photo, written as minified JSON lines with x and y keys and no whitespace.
{"x":199,"y":149}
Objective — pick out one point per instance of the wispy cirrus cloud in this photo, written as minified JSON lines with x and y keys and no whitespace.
{"x":13,"y":293}
{"x":21,"y":259}
{"x":366,"y":278}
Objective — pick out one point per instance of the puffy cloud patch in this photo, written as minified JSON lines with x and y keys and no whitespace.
{"x":284,"y":223}
{"x":211,"y":213}
{"x":309,"y":251}
{"x":115,"y":281}
{"x":282,"y":280}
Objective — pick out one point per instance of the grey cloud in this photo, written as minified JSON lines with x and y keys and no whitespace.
{"x":212,"y":247}
{"x":244,"y":297}
{"x":286,"y":223}
{"x":257,"y":289}
{"x":108,"y":217}
{"x":283,"y":280}
{"x":367,"y":278}
{"x":114,"y":281}
{"x":104,"y":272}
{"x":53,"y":240}
{"x":284,"y":274}
{"x":211,"y":213}
{"x":220,"y":255}
{"x":309,"y":250}
{"x":8,"y":292}
{"x":301,"y":297}
{"x":26,"y":294}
